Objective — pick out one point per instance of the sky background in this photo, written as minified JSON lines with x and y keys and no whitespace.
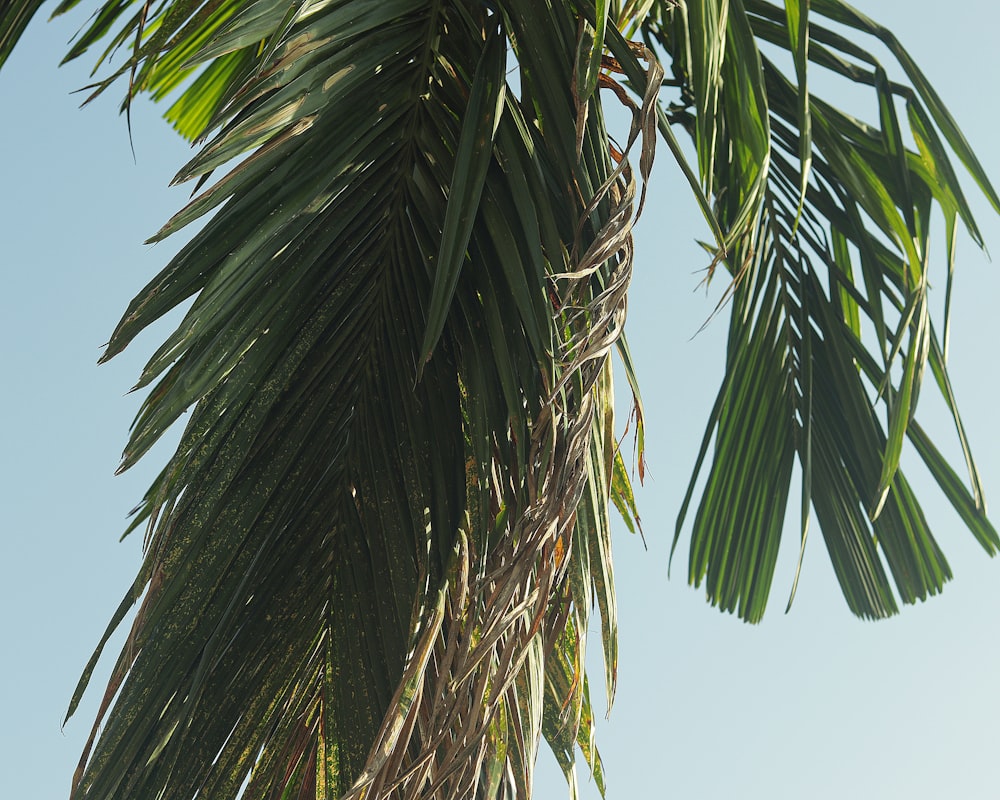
{"x":813,"y":704}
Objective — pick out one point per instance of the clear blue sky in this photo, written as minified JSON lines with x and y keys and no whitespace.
{"x":814,"y":704}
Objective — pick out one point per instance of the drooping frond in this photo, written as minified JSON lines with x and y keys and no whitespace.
{"x":830,"y":328}
{"x":371,"y":561}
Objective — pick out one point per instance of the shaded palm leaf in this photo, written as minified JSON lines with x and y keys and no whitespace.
{"x":371,"y":561}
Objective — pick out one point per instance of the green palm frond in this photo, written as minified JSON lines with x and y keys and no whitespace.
{"x":400,"y":446}
{"x":830,"y":311}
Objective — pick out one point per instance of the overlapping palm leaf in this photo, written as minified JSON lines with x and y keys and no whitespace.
{"x":827,"y":222}
{"x":371,"y":560}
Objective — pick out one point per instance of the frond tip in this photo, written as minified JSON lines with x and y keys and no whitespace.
{"x":831,"y":330}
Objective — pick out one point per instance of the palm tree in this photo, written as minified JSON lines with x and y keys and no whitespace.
{"x":371,"y":562}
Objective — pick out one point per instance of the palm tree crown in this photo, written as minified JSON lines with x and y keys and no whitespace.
{"x":372,"y":560}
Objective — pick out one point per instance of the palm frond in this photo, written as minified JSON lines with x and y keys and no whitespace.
{"x":830,"y":327}
{"x":371,"y":561}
